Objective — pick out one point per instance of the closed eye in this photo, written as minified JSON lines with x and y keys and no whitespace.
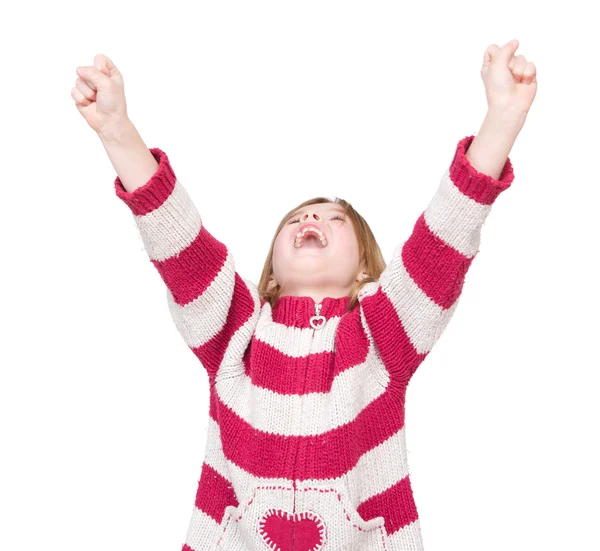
{"x":337,"y":216}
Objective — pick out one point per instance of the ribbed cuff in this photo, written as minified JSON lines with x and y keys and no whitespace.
{"x":477,"y":185}
{"x":154,"y":192}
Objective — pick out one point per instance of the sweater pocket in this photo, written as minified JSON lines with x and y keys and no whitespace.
{"x":322,"y":519}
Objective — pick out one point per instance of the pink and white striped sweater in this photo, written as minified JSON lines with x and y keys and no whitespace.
{"x":306,"y":447}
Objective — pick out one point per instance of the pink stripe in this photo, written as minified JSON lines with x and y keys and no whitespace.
{"x":478,"y":186}
{"x":396,"y":505}
{"x":397,"y":352}
{"x":214,"y":493}
{"x":154,"y":192}
{"x":325,"y":455}
{"x":270,"y":368}
{"x":436,"y":267}
{"x":190,"y":272}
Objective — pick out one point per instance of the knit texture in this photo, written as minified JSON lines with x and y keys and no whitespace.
{"x":306,"y":445}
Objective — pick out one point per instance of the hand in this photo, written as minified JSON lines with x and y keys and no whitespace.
{"x":99,"y":95}
{"x":510,"y":82}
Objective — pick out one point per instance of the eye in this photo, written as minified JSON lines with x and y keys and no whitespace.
{"x":336,"y":217}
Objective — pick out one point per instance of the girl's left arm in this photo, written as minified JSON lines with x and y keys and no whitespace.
{"x":408,"y":308}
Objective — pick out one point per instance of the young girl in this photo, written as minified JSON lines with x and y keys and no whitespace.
{"x":308,"y":370}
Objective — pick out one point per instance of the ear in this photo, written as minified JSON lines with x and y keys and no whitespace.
{"x":362,"y":275}
{"x":272,"y":284}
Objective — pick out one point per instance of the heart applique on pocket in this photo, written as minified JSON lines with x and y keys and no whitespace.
{"x":283,"y":531}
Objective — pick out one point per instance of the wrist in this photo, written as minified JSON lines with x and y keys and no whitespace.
{"x":507,"y":117}
{"x":119,"y":133}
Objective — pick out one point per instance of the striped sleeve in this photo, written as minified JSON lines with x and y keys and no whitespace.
{"x":408,"y":308}
{"x":207,"y":298}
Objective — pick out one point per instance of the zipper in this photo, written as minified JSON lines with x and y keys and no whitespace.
{"x":317,"y":321}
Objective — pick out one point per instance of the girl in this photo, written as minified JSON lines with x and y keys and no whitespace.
{"x":308,"y":370}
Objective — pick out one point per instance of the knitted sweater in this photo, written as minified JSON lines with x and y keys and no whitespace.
{"x":306,"y":445}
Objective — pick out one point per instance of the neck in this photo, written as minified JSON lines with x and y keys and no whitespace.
{"x":317,"y":294}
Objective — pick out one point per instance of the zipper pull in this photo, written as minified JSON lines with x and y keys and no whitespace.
{"x":314,"y":321}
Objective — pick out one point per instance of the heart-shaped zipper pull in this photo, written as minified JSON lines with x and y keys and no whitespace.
{"x":317,"y":318}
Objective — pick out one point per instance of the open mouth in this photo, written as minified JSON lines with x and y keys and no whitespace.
{"x":310,"y":238}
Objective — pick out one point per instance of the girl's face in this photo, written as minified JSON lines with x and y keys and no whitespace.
{"x":314,"y":269}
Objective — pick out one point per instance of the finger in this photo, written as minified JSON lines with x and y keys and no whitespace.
{"x":519,"y":68}
{"x":490,"y":53}
{"x":105,"y":60}
{"x":105,"y":64}
{"x":101,"y":64}
{"x":529,"y":73}
{"x":94,"y":77}
{"x":505,"y":53}
{"x":79,"y":98}
{"x":85,"y":90}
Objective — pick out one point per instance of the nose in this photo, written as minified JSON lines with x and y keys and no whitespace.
{"x":309,"y":216}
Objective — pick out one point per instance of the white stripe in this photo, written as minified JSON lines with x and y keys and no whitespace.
{"x":456,"y":218}
{"x":169,"y":229}
{"x":313,"y":413}
{"x":296,"y":342}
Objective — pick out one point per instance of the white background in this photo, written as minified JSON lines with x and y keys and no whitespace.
{"x":259,"y":106}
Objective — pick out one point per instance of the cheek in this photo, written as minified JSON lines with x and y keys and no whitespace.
{"x":281,"y":240}
{"x":348,"y":239}
{"x":281,"y":244}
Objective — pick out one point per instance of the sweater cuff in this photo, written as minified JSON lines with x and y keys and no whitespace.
{"x":479,"y":186}
{"x":154,"y":192}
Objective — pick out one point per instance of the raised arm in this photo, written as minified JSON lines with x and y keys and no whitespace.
{"x":208,"y":300}
{"x":410,"y":305}
{"x":213,"y":308}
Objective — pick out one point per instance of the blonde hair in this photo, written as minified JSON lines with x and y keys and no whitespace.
{"x":370,"y":257}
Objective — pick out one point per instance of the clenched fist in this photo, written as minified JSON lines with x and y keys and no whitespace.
{"x":99,"y":95}
{"x":510,"y":81}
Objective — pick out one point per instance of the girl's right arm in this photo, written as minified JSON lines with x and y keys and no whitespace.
{"x":208,"y":300}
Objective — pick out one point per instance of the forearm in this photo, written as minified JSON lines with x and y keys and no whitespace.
{"x":490,"y":148}
{"x":132,"y":160}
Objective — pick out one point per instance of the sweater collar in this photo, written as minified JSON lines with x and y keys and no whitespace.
{"x":296,"y":311}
